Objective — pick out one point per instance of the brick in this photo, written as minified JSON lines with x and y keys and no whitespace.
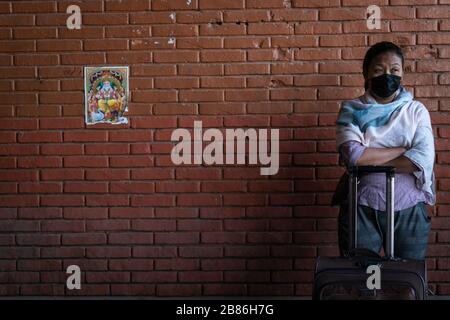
{"x":177,"y":187}
{"x":128,"y":57}
{"x":83,"y":33}
{"x":219,"y":56}
{"x":136,"y":187}
{"x":228,"y":237}
{"x":30,"y":149}
{"x":129,"y":212}
{"x":19,"y":226}
{"x":176,"y":212}
{"x":154,"y":252}
{"x":135,"y":161}
{"x":277,"y":28}
{"x":108,"y":277}
{"x":178,"y":30}
{"x":62,"y":252}
{"x":222,"y":29}
{"x":154,"y":277}
{"x":108,"y":252}
{"x":198,"y":200}
{"x":433,"y":12}
{"x":176,"y":56}
{"x":19,"y":175}
{"x":107,"y":200}
{"x":38,"y":239}
{"x":177,"y":238}
{"x":200,"y":276}
{"x":196,"y":42}
{"x":178,"y":290}
{"x":63,"y":225}
{"x":155,"y":96}
{"x":133,"y":289}
{"x":40,"y":213}
{"x":176,"y":82}
{"x":61,"y":174}
{"x":153,"y":18}
{"x":22,"y":252}
{"x":200,"y":251}
{"x":16,"y":98}
{"x":82,"y":58}
{"x":31,"y":85}
{"x":35,"y":33}
{"x":153,"y":225}
{"x":41,"y":265}
{"x":87,"y":264}
{"x":108,"y":225}
{"x":106,"y":44}
{"x":17,"y":20}
{"x":246,"y":276}
{"x":32,"y":7}
{"x":342,"y":40}
{"x":46,"y":187}
{"x":85,"y":213}
{"x":162,"y":5}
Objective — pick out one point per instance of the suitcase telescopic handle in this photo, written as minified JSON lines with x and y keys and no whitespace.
{"x":389,"y":170}
{"x":354,"y":172}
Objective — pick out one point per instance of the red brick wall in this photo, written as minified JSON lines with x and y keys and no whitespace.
{"x":109,"y":199}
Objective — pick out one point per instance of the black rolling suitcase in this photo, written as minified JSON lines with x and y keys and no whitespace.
{"x":346,"y":278}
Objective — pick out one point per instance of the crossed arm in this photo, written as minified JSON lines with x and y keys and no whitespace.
{"x":421,"y":150}
{"x":356,"y":154}
{"x":387,"y":157}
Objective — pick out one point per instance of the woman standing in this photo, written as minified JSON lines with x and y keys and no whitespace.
{"x":386,"y":126}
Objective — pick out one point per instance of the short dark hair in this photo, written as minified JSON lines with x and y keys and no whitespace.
{"x":377,"y":49}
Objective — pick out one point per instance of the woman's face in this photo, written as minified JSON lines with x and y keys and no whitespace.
{"x":388,"y":62}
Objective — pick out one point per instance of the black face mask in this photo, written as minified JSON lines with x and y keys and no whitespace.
{"x":385,"y":85}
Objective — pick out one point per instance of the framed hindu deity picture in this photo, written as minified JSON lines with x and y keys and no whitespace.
{"x":106,"y":94}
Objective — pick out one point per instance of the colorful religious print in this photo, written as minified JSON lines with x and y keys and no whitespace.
{"x":106,"y":94}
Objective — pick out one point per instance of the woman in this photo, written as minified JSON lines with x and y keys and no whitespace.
{"x":386,"y":126}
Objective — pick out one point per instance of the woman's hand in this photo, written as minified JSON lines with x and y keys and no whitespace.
{"x":379,"y":156}
{"x":387,"y":157}
{"x":403,"y":165}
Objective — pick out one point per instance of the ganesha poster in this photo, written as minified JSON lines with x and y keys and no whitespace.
{"x":106,"y":94}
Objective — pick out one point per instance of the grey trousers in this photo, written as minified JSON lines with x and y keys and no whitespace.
{"x":412,"y":227}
